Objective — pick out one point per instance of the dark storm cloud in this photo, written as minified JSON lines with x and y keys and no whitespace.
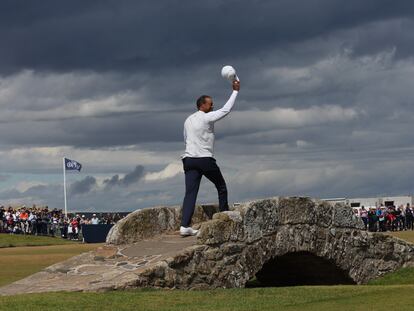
{"x":133,"y":176}
{"x":83,"y":186}
{"x":95,"y":132}
{"x":101,"y":199}
{"x":162,"y":35}
{"x":39,"y":194}
{"x":111,"y":182}
{"x":89,"y":183}
{"x":129,"y":178}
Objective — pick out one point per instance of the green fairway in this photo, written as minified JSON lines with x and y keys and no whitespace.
{"x":13,"y":240}
{"x":318,"y":298}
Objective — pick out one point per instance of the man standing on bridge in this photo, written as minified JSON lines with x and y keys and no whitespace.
{"x":198,"y":158}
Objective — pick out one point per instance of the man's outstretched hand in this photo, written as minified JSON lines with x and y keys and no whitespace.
{"x":236,"y":85}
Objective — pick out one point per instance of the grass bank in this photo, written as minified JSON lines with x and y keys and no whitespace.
{"x":405,"y":235}
{"x":19,"y":262}
{"x":15,"y":240}
{"x":404,"y":276}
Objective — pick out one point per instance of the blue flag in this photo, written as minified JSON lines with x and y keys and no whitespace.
{"x":71,"y":165}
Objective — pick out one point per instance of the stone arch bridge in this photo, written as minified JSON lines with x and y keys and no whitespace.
{"x":275,"y":241}
{"x":234,"y":246}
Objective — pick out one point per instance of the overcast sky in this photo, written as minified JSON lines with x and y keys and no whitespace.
{"x":325,"y":108}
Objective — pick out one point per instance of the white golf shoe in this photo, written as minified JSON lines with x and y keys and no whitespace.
{"x":187,"y":231}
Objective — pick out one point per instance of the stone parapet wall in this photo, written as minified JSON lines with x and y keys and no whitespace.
{"x":149,"y":222}
{"x":253,"y":220}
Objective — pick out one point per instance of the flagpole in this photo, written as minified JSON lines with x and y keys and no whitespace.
{"x":64,"y":188}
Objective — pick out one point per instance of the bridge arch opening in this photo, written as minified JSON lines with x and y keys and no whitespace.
{"x":299,"y":268}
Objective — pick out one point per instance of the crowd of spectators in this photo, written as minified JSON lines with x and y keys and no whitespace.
{"x":52,"y":222}
{"x":387,"y":218}
{"x":48,"y":222}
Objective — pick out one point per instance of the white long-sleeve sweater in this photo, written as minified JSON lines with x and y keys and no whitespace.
{"x":199,"y":130}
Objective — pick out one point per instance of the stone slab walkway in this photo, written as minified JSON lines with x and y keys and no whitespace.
{"x":106,"y":268}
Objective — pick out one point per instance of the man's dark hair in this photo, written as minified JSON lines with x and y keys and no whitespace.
{"x":201,"y":100}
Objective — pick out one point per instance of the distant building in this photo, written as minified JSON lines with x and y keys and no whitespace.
{"x":374,"y":201}
{"x":336,"y":200}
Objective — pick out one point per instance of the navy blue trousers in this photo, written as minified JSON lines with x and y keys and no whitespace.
{"x":194,"y":169}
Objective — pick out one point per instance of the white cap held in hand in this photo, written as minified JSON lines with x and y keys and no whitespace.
{"x":229,"y":73}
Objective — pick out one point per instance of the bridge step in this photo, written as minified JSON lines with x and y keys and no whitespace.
{"x":108,"y":267}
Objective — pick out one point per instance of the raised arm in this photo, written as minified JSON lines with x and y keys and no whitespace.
{"x":214,"y":116}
